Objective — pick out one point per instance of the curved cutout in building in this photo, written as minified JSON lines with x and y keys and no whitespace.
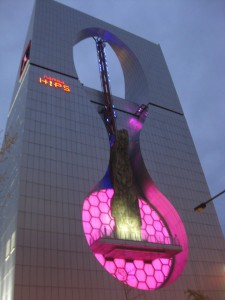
{"x":86,"y":63}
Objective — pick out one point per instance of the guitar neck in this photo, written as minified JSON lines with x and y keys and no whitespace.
{"x":109,"y":114}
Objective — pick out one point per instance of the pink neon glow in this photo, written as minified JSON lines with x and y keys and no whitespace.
{"x":94,"y":211}
{"x":141,"y":275}
{"x":135,"y":124}
{"x":173,"y":222}
{"x":149,"y":270}
{"x":120,"y":263}
{"x":98,"y":221}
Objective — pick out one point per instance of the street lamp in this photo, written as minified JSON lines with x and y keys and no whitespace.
{"x":202,"y":206}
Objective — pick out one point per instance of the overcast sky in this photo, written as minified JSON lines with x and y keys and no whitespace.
{"x":192,"y":37}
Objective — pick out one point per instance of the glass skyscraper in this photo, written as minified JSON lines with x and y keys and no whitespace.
{"x":84,"y":216}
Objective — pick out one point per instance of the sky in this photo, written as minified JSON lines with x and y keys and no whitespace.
{"x":192,"y":37}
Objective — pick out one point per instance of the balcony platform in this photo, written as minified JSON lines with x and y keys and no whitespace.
{"x":112,"y":248}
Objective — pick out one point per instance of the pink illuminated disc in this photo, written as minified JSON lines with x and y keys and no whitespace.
{"x":98,"y":222}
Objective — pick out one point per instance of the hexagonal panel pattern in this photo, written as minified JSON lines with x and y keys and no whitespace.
{"x":98,"y":221}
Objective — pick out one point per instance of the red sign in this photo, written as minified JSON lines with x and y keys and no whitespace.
{"x":54,"y":82}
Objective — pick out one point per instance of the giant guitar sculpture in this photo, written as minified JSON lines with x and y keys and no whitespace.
{"x":131,"y":227}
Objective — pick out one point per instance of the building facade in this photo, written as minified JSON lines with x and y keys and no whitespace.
{"x":60,"y":238}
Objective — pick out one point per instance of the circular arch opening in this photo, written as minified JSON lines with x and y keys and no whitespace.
{"x":86,"y":63}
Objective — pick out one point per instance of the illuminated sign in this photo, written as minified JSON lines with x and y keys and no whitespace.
{"x":54,"y":82}
{"x":25,"y":59}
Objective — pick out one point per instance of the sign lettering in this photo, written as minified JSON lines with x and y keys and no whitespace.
{"x":54,"y":82}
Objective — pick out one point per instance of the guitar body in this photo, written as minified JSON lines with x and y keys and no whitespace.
{"x":131,"y":227}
